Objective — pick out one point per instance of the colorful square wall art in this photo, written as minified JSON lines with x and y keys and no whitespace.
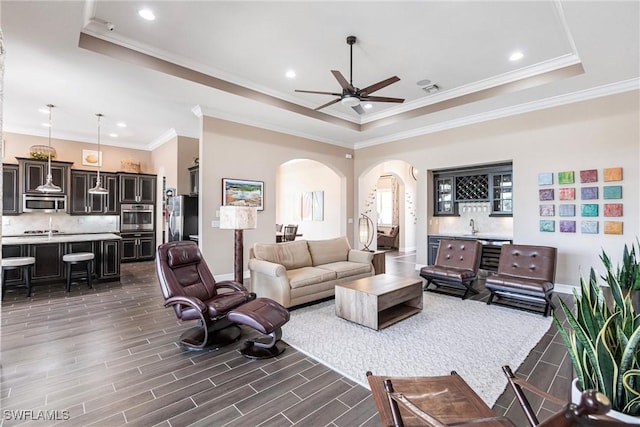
{"x":589,"y":193}
{"x":567,"y":226}
{"x":545,"y":178}
{"x":613,"y":227}
{"x":567,"y":210}
{"x":547,"y":226}
{"x":613,"y":209}
{"x":546,"y":194}
{"x":567,"y":193}
{"x":565,"y":177}
{"x":613,"y":174}
{"x":589,"y":227}
{"x":589,"y":209}
{"x":589,"y":175}
{"x":547,"y":210}
{"x":612,"y":192}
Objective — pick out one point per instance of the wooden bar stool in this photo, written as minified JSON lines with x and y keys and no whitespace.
{"x":12,"y":263}
{"x":79,"y":258}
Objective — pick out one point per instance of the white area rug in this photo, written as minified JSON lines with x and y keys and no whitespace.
{"x":470,"y":337}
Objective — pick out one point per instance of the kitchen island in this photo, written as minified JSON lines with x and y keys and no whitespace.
{"x":48,"y":251}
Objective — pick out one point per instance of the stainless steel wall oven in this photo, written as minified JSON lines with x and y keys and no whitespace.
{"x":135,"y":217}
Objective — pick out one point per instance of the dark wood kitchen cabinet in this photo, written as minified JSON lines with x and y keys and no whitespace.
{"x":194,"y":180}
{"x":109,"y":261}
{"x":444,"y":202}
{"x":48,"y":266}
{"x":10,"y":193}
{"x":83,"y":203}
{"x":34,"y":173}
{"x":138,"y":247}
{"x":137,"y":188}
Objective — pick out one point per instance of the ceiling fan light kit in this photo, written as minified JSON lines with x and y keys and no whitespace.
{"x":352,"y":96}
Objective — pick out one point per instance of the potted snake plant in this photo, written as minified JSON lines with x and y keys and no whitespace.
{"x":603,"y":340}
{"x":627,"y":273}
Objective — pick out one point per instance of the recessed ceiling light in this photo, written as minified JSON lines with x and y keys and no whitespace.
{"x":121,"y":125}
{"x":147,"y":14}
{"x":424,"y":82}
{"x":516,"y":56}
{"x":368,"y":106}
{"x":113,"y":135}
{"x":290,"y":74}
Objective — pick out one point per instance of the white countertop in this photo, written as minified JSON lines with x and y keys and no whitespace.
{"x":57,"y":238}
{"x":479,"y":236}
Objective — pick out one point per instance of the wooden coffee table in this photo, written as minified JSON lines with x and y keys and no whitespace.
{"x":379,"y":301}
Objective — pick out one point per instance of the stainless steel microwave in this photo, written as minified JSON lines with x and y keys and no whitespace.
{"x":47,"y":203}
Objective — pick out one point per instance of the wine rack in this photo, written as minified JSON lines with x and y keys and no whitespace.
{"x":472,"y":187}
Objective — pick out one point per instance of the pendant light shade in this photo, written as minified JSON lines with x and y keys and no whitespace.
{"x":49,"y":186}
{"x":98,"y":189}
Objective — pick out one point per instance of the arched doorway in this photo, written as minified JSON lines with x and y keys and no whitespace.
{"x":388,"y":195}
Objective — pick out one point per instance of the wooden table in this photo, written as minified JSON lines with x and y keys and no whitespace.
{"x":379,"y":301}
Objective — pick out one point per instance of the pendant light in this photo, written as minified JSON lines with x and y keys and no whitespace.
{"x":49,"y":186}
{"x":98,"y":189}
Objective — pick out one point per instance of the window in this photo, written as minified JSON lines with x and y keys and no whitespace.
{"x":385,"y":206}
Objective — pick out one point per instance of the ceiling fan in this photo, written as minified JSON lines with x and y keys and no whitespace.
{"x":351,"y":96}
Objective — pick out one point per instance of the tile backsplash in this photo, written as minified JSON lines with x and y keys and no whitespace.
{"x":479,"y":212}
{"x":64,"y":223}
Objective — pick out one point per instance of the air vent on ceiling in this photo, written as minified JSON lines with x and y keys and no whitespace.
{"x":431,"y":89}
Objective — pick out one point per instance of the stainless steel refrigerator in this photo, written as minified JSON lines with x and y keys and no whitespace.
{"x":183,"y":217}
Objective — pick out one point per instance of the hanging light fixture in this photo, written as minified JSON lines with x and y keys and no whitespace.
{"x":98,"y":189}
{"x":49,"y":186}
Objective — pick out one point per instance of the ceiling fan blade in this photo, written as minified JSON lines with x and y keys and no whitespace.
{"x":343,"y":82}
{"x":319,"y":93}
{"x":327,"y":104}
{"x":377,"y":86}
{"x":381,"y":99}
{"x":358,"y":109}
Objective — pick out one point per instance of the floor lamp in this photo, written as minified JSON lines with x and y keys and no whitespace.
{"x":238,"y":218}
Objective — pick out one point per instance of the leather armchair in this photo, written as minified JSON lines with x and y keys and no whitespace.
{"x":189,"y":287}
{"x":456,"y":266}
{"x":525,"y":277}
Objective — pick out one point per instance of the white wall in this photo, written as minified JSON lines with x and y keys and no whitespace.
{"x":296,"y":177}
{"x":231,"y":150}
{"x":593,"y":134}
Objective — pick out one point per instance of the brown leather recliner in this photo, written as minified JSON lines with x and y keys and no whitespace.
{"x":456,"y":266}
{"x":188,"y":285}
{"x":525,"y":276}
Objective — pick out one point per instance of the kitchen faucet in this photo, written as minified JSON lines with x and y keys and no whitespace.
{"x":472,"y":223}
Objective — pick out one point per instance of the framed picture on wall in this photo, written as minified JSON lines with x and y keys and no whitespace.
{"x":239,"y":192}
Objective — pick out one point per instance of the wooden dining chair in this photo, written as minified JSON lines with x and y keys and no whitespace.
{"x":290,"y":232}
{"x":442,"y":401}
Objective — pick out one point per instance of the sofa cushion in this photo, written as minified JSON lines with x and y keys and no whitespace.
{"x":329,"y":250}
{"x":346,"y":268}
{"x":306,"y":276}
{"x":290,"y":254}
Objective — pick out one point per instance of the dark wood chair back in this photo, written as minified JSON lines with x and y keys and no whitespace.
{"x":442,"y":401}
{"x":290,"y":232}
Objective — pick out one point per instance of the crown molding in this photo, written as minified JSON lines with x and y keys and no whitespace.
{"x":556,"y":101}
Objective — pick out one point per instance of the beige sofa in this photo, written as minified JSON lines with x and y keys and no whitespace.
{"x":303,"y":271}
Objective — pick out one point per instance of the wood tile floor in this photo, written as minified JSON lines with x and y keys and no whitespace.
{"x":108,"y":356}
